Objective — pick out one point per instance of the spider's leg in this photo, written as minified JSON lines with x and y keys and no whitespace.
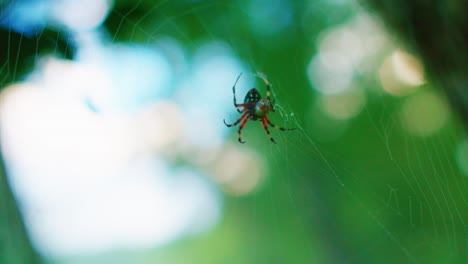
{"x":234,"y":94}
{"x":268,"y":90}
{"x":277,"y":127}
{"x":237,"y":121}
{"x":245,"y":105}
{"x":268,"y":86}
{"x":264,"y":124}
{"x":240,"y":129}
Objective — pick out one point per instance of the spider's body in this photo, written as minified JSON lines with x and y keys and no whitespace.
{"x":256,"y":108}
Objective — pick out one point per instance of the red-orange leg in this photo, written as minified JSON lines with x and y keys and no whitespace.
{"x":264,"y":124}
{"x":237,"y":121}
{"x":241,"y":127}
{"x":243,"y":105}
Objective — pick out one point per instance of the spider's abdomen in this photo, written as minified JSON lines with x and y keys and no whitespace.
{"x":252,"y":96}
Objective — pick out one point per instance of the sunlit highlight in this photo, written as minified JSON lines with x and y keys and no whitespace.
{"x":238,"y":170}
{"x":81,"y":15}
{"x":340,"y":50}
{"x":326,"y":81}
{"x":158,"y":126}
{"x":78,"y":80}
{"x":408,"y":68}
{"x":343,"y":52}
{"x":268,"y":17}
{"x":81,"y":161}
{"x":424,"y":114}
{"x":401,"y":73}
{"x":343,"y":106}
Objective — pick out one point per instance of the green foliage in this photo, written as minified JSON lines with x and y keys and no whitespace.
{"x":377,"y":194}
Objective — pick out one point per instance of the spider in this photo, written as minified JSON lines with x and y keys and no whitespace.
{"x":255,"y":108}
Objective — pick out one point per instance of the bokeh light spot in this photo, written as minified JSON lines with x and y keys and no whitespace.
{"x":424,"y":114}
{"x":343,"y":52}
{"x":343,"y":106}
{"x":408,"y":68}
{"x":401,"y":73}
{"x":81,"y":14}
{"x":268,"y":17}
{"x":239,"y":170}
{"x":326,"y":81}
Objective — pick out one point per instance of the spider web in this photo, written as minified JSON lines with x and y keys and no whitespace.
{"x":370,"y":187}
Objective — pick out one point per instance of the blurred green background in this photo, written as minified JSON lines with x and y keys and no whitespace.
{"x":376,"y":171}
